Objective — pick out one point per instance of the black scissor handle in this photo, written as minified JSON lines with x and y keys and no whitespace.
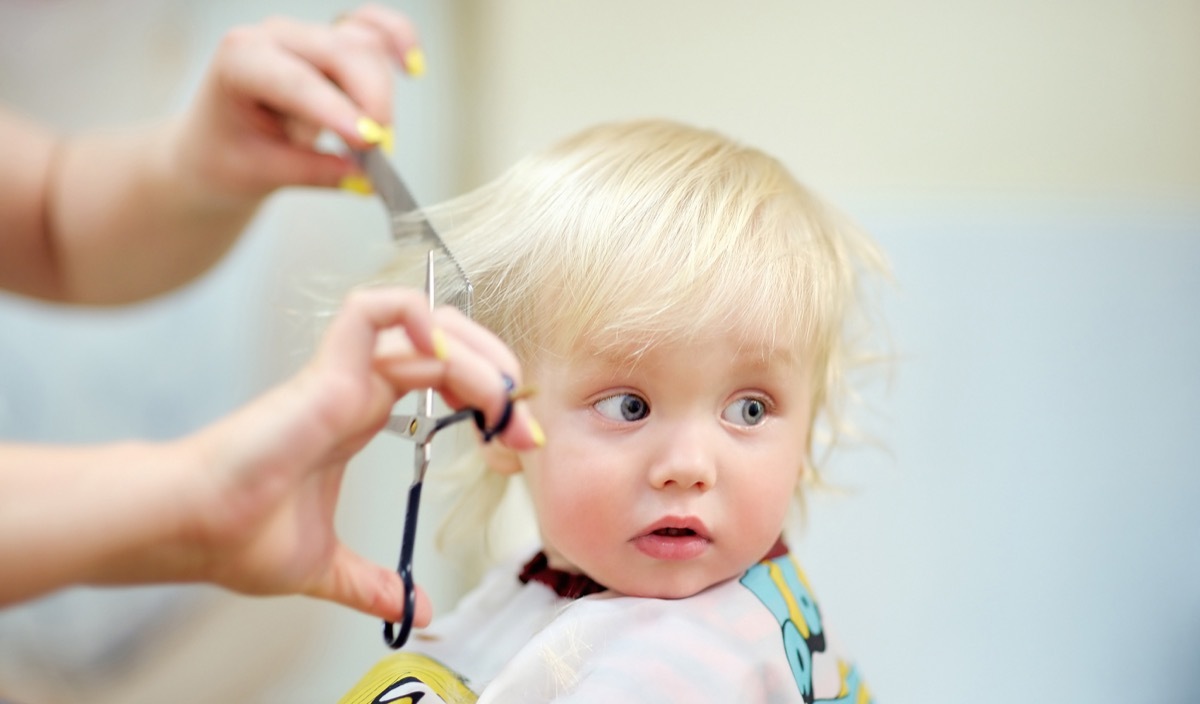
{"x":404,"y":569}
{"x":396,"y":640}
{"x":505,"y":416}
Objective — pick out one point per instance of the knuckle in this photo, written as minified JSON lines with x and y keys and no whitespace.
{"x":240,"y":36}
{"x":277,"y":23}
{"x":447,"y":311}
{"x":358,"y":299}
{"x":405,"y":26}
{"x":357,"y":39}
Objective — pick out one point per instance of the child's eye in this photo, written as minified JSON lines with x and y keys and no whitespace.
{"x":746,"y":411}
{"x":627,"y":407}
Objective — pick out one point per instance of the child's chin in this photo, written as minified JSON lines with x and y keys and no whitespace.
{"x":679,"y":588}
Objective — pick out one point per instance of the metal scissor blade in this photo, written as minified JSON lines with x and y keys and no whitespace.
{"x":415,"y":428}
{"x":421,"y":428}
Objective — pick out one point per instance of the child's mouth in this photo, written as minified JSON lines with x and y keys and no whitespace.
{"x":674,"y":532}
{"x":674,"y":538}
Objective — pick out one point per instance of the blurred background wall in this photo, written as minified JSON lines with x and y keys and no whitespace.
{"x":1031,"y":168}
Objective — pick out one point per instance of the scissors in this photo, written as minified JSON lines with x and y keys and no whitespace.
{"x":422,"y":426}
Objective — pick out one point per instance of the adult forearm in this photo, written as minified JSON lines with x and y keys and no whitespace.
{"x":129,"y":218}
{"x":90,"y":515}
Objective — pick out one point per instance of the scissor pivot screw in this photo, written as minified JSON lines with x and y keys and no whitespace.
{"x":412,"y":427}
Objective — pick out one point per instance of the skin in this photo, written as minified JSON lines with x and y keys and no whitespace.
{"x":105,"y":219}
{"x":111,"y":218}
{"x":248,"y":503}
{"x":696,"y":464}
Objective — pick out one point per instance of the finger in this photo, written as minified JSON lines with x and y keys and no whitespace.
{"x":366,"y":313}
{"x":462,"y":333}
{"x":396,"y":30}
{"x":301,"y":133}
{"x":362,"y":585}
{"x":356,"y":55}
{"x":523,"y":431}
{"x":464,"y":378}
{"x":467,"y":377}
{"x":470,"y":372}
{"x":423,"y":609}
{"x":254,"y":66}
{"x":478,"y":338}
{"x":278,"y":163}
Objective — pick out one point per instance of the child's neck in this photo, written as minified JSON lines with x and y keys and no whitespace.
{"x":568,"y":585}
{"x":573,"y":585}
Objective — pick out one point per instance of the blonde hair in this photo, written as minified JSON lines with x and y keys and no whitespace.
{"x":633,"y":234}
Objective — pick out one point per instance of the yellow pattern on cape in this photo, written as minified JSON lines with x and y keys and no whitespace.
{"x":410,"y":671}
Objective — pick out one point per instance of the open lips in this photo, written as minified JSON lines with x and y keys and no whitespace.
{"x":674,"y":538}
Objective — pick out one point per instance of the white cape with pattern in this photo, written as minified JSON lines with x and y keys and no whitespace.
{"x":754,"y":639}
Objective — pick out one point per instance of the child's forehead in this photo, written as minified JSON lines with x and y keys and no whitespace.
{"x":630,"y":353}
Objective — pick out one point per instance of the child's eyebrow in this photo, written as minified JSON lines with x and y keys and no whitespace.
{"x":754,"y":356}
{"x":764,"y":353}
{"x":609,"y":363}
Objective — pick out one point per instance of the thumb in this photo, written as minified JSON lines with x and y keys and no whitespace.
{"x":364,"y":586}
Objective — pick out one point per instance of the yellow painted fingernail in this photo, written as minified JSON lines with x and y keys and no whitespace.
{"x":539,"y":435}
{"x":528,"y":391}
{"x":388,"y":143}
{"x":371,"y":131}
{"x":414,"y":62}
{"x":356,"y":184}
{"x":441,"y":347}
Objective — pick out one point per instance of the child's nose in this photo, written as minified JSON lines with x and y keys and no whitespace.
{"x":685,"y":460}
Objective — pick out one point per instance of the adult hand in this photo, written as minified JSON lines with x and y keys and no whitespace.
{"x":112,"y":218}
{"x":272,"y":87}
{"x":262,"y":504}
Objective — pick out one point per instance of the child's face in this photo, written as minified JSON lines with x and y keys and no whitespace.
{"x":667,"y":476}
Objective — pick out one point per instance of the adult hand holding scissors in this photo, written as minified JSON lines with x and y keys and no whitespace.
{"x":248,"y":503}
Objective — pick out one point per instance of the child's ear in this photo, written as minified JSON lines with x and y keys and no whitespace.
{"x":501,"y":459}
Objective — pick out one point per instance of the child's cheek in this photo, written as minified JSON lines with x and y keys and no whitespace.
{"x":573,"y":504}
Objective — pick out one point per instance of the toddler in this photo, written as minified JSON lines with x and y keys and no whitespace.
{"x":684,"y":307}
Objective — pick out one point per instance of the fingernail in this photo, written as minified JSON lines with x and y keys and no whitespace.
{"x":356,"y":184}
{"x":414,"y":62}
{"x":441,"y":346}
{"x":371,"y":131}
{"x":539,"y":435}
{"x":528,"y":391}
{"x":388,"y":143}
